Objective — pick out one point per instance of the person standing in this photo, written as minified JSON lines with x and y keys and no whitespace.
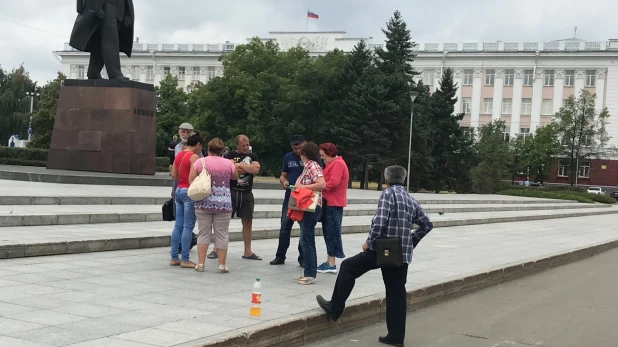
{"x":185,"y":207}
{"x":337,"y":177}
{"x":292,"y":169}
{"x":171,"y":150}
{"x":248,"y":165}
{"x":397,"y":213}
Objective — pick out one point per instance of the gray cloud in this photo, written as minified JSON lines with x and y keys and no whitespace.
{"x":209,"y":21}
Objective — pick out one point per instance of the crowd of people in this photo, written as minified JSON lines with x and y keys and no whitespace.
{"x":320,"y":171}
{"x":307,"y":166}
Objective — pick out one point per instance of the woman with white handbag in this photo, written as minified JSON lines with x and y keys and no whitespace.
{"x":210,"y":184}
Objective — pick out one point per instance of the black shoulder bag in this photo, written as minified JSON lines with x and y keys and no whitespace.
{"x":389,"y":251}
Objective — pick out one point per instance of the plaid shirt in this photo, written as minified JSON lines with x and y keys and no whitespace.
{"x":397,"y":213}
{"x":311,"y":173}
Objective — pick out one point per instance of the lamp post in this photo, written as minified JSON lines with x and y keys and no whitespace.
{"x":31,"y":95}
{"x":413,"y":95}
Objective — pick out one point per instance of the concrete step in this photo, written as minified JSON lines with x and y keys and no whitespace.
{"x":51,"y":240}
{"x":24,"y":215}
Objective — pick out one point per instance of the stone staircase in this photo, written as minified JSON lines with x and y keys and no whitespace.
{"x":72,"y":221}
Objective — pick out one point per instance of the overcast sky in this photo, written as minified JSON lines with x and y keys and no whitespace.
{"x":209,"y":21}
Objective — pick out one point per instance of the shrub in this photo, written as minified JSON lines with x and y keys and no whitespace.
{"x":162,"y":164}
{"x":27,"y":154}
{"x":22,"y":162}
{"x":560,"y":195}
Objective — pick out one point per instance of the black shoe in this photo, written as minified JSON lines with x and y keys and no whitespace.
{"x":387,"y":341}
{"x":277,"y":261}
{"x":325,"y":305}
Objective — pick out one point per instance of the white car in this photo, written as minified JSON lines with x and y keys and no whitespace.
{"x":596,"y":190}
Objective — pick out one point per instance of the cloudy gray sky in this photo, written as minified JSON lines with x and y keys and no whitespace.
{"x":210,"y":21}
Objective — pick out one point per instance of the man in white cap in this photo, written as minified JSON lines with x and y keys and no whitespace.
{"x":184,"y":131}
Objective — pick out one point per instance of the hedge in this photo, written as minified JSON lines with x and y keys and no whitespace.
{"x":561,"y":195}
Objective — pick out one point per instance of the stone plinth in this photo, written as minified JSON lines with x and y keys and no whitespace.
{"x":105,"y":126}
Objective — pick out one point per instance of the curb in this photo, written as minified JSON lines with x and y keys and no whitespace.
{"x":304,"y":328}
{"x":16,"y":220}
{"x":101,"y":245}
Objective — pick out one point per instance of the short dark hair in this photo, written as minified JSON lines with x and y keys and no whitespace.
{"x":194,"y":139}
{"x":311,"y":151}
{"x":329,"y":149}
{"x":216,"y":146}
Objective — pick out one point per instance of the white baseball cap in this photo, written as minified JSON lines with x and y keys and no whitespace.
{"x":186,"y":126}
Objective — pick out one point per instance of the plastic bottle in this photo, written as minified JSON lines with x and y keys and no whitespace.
{"x":256,"y":298}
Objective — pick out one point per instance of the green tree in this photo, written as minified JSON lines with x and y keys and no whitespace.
{"x":519,"y":147}
{"x":43,"y":119}
{"x":14,"y":104}
{"x":171,"y":111}
{"x":452,"y":148}
{"x":541,"y":151}
{"x":493,"y":159}
{"x":421,"y":161}
{"x":582,"y":129}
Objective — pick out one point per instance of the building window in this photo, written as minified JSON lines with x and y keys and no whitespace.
{"x":166,"y":71}
{"x":211,"y":72}
{"x":526,"y":106}
{"x":548,"y":107}
{"x":150,"y":73}
{"x":428,"y":78}
{"x":488,"y":106}
{"x":490,"y":75}
{"x":528,"y":77}
{"x":549,"y":78}
{"x":81,"y":71}
{"x":509,"y":76}
{"x":524,"y":133}
{"x":468,"y":77}
{"x":466,"y":106}
{"x":136,"y":74}
{"x":569,"y":78}
{"x":181,"y":73}
{"x":584,"y":169}
{"x":196,"y":71}
{"x":563,"y":168}
{"x":507,"y":106}
{"x":590,"y":78}
{"x":506,"y":133}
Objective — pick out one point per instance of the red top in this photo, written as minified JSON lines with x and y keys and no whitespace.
{"x":336,"y":176}
{"x":182,"y":162}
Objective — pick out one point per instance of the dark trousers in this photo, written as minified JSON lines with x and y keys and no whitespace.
{"x":107,"y":53}
{"x":394,"y":281}
{"x":286,"y":231}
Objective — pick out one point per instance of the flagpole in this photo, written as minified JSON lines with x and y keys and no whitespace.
{"x":307,"y":15}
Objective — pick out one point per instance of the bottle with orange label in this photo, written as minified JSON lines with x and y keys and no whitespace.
{"x":256,"y":298}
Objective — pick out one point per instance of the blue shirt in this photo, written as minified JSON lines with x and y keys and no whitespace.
{"x":396,"y":215}
{"x":294,"y":166}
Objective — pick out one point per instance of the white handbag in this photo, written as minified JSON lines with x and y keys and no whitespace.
{"x":200,"y":187}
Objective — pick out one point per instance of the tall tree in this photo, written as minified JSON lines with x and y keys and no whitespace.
{"x":493,"y":157}
{"x":171,"y":111}
{"x":582,"y":129}
{"x":399,"y":54}
{"x":43,"y":119}
{"x":541,"y":151}
{"x":452,"y":148}
{"x":14,"y":104}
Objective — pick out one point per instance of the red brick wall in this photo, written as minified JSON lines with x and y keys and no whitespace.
{"x":598,"y":175}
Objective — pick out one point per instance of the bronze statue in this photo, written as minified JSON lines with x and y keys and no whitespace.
{"x":104,"y":28}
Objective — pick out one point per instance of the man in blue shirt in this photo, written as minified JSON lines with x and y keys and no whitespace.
{"x":291,"y":170}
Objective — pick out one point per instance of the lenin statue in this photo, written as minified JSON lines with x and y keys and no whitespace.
{"x":104,"y":28}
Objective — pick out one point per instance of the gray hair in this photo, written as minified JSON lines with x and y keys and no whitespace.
{"x":395,"y":174}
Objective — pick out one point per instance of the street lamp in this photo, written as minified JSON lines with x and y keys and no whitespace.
{"x":31,"y":95}
{"x":413,"y":95}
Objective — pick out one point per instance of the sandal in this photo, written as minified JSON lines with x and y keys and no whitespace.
{"x":252,"y":257}
{"x":306,"y":280}
{"x":212,"y":255}
{"x":199,"y":268}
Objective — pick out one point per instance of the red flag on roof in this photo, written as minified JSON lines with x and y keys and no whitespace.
{"x":312,"y":15}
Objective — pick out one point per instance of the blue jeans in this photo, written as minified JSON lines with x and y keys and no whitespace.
{"x":307,"y":241}
{"x":185,"y":222}
{"x":331,"y":228}
{"x":286,"y":231}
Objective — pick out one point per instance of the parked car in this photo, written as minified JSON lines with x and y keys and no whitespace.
{"x":614,"y":193}
{"x":596,"y":190}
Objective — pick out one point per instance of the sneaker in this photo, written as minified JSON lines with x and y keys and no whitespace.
{"x":223,"y":269}
{"x":328,"y":269}
{"x":323,"y":266}
{"x":277,"y":261}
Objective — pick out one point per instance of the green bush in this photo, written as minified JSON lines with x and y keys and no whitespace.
{"x":22,"y":162}
{"x":560,"y":195}
{"x":27,"y":154}
{"x":162,"y":164}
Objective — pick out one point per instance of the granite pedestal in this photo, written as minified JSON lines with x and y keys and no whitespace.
{"x":105,"y":126}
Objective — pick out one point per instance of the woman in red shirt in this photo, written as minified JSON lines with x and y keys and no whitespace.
{"x":336,"y":176}
{"x":185,"y":207}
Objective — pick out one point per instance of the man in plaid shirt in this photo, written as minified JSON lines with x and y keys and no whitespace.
{"x":397,"y":213}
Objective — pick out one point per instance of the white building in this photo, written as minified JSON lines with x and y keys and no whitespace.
{"x":522,"y":83}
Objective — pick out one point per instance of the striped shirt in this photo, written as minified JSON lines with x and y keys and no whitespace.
{"x":396,"y":215}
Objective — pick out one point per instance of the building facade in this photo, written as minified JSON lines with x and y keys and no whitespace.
{"x":522,"y":83}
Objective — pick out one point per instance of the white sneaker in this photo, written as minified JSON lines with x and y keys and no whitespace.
{"x":223,"y":269}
